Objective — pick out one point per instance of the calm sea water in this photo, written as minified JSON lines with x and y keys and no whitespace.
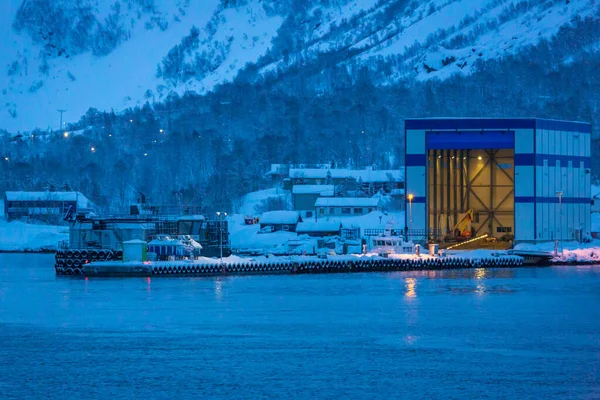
{"x":485,"y":333}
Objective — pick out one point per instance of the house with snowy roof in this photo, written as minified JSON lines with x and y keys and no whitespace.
{"x":368,"y":180}
{"x":304,"y":197}
{"x":280,"y":220}
{"x":346,"y":206}
{"x":44,"y":206}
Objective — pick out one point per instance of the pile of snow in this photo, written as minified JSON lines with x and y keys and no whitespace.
{"x":254,"y":200}
{"x":280,"y":218}
{"x":246,"y":237}
{"x":18,"y":236}
{"x":572,"y":252}
{"x":585,"y":255}
{"x":373,"y":220}
{"x":549,"y":246}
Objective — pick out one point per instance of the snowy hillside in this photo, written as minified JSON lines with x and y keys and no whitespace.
{"x":111,"y":54}
{"x":46,"y":68}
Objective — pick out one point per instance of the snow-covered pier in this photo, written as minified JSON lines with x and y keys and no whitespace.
{"x":294,"y":265}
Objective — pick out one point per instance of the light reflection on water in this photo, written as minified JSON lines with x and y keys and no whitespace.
{"x":411,"y":284}
{"x":514,"y":333}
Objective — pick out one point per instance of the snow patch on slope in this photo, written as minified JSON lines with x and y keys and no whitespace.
{"x":119,"y":80}
{"x":493,"y":32}
{"x":241,"y":36}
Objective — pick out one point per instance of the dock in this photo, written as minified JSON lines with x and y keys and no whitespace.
{"x":290,"y":265}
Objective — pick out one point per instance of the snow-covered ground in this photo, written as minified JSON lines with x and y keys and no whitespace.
{"x":243,"y":236}
{"x":19,"y":236}
{"x":233,"y":259}
{"x":252,"y":201}
{"x":568,"y":252}
{"x":374,"y":220}
{"x":246,"y":237}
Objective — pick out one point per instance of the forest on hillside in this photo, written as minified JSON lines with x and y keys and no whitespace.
{"x":209,"y":150}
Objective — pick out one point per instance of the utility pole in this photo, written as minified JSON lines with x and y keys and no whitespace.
{"x":61,"y":113}
{"x":560,"y":238}
{"x":221,"y":215}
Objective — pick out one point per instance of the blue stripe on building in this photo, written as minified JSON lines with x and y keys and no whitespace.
{"x":415,"y":160}
{"x":469,"y":140}
{"x":528,"y":159}
{"x":419,"y":200}
{"x":552,"y":200}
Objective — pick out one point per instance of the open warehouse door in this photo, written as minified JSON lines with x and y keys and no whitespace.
{"x":469,"y":178}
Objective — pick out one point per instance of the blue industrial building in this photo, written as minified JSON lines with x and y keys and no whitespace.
{"x":524,"y":178}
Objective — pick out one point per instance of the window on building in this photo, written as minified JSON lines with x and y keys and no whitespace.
{"x":346,"y":210}
{"x":309,"y":214}
{"x":331,"y":210}
{"x":358,"y":210}
{"x":504,"y":229}
{"x":321,"y":211}
{"x":370,"y":209}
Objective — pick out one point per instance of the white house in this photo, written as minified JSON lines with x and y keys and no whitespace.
{"x":304,"y":197}
{"x":44,"y":206}
{"x":346,"y":206}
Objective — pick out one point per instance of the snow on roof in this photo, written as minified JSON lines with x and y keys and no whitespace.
{"x":347,"y":202}
{"x":319,"y":226}
{"x":81,"y":200}
{"x":323,"y":190}
{"x":280,"y":217}
{"x":193,"y":217}
{"x":365,"y":175}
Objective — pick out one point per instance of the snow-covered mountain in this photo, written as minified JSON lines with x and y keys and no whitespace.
{"x":114,"y":54}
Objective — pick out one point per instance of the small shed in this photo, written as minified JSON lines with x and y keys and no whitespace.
{"x":280,"y":220}
{"x":319,"y":228}
{"x":134,"y":250}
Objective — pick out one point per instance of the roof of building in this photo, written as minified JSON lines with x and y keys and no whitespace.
{"x":323,"y":190}
{"x":81,"y":200}
{"x":280,"y":217}
{"x":319,"y":226}
{"x":496,"y":123}
{"x":397,"y":192}
{"x":347,"y":202}
{"x":364,"y":175}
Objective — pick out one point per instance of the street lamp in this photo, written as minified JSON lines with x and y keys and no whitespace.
{"x":560,"y":195}
{"x":410,"y":198}
{"x":221,"y":215}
